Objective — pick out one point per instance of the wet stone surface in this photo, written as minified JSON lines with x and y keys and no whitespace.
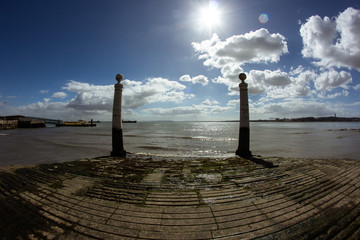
{"x":181,"y":198}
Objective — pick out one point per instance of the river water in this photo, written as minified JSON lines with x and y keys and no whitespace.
{"x":189,"y":139}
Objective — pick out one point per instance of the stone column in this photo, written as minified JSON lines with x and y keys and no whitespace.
{"x":117,"y":133}
{"x":244,"y":131}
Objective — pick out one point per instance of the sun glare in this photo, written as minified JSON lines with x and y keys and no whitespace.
{"x":210,"y":14}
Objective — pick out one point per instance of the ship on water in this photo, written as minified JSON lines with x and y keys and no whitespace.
{"x":129,"y":121}
{"x":79,"y":123}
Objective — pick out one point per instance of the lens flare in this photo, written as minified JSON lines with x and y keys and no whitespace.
{"x":210,"y":15}
{"x":264,"y":18}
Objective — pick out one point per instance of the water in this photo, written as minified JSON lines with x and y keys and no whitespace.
{"x":204,"y":139}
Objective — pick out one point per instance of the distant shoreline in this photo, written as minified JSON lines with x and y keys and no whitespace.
{"x":312,"y":119}
{"x":302,"y":119}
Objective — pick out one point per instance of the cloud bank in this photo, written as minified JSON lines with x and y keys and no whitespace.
{"x":258,"y":46}
{"x":97,"y":100}
{"x":252,"y":47}
{"x":333,"y":43}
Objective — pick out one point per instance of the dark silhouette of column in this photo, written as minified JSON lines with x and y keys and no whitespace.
{"x":244,"y":131}
{"x":117,"y":133}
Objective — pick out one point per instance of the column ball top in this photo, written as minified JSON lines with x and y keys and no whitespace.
{"x":119,"y":77}
{"x":242,"y":76}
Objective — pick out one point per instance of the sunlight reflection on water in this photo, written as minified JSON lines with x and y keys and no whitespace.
{"x":204,"y":139}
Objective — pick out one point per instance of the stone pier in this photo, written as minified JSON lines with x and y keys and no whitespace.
{"x":244,"y":131}
{"x":149,"y":198}
{"x":117,"y":133}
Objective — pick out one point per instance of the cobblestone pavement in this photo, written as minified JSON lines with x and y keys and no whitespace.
{"x":146,"y":198}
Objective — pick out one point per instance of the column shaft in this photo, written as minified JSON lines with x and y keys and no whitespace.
{"x":244,"y":131}
{"x":117,"y":133}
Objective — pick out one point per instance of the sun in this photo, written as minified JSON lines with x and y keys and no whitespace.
{"x":210,"y":15}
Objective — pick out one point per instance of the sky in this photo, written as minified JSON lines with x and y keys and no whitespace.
{"x":180,"y":58}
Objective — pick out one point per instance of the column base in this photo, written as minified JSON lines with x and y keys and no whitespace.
{"x":118,"y":153}
{"x":246,"y":154}
{"x":117,"y":143}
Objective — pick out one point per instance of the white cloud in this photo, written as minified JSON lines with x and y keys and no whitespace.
{"x":198,"y":79}
{"x":48,"y":109}
{"x":296,"y":71}
{"x":301,"y":82}
{"x":276,"y":78}
{"x":333,"y":43}
{"x":252,"y":47}
{"x":256,"y":82}
{"x":303,"y":108}
{"x":338,"y":94}
{"x":296,"y":108}
{"x":90,"y":97}
{"x":259,"y":81}
{"x":97,"y":100}
{"x":234,"y":102}
{"x":276,"y":84}
{"x":355,"y":104}
{"x":348,"y":24}
{"x":44,"y":91}
{"x":230,"y":77}
{"x":187,"y":110}
{"x":326,"y":81}
{"x":74,"y":86}
{"x":185,"y":78}
{"x":219,"y":109}
{"x":357,"y":87}
{"x":332,"y":79}
{"x":299,"y":86}
{"x":204,"y":110}
{"x":280,"y":85}
{"x":137,"y":94}
{"x":59,"y":95}
{"x":208,"y":102}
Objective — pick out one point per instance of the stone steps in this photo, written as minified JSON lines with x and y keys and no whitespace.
{"x":311,"y":199}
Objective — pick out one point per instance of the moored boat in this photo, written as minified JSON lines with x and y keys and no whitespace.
{"x":79,"y":123}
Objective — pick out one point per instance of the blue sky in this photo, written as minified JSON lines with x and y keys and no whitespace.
{"x":58,"y":59}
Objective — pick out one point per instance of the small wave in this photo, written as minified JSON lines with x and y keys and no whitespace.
{"x":4,"y":134}
{"x":157,"y":136}
{"x":187,"y":138}
{"x":68,"y":145}
{"x":96,"y":134}
{"x":194,"y":154}
{"x":156,"y":148}
{"x":132,"y":135}
{"x":203,"y":138}
{"x":214,"y":139}
{"x":346,"y":129}
{"x":196,"y":138}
